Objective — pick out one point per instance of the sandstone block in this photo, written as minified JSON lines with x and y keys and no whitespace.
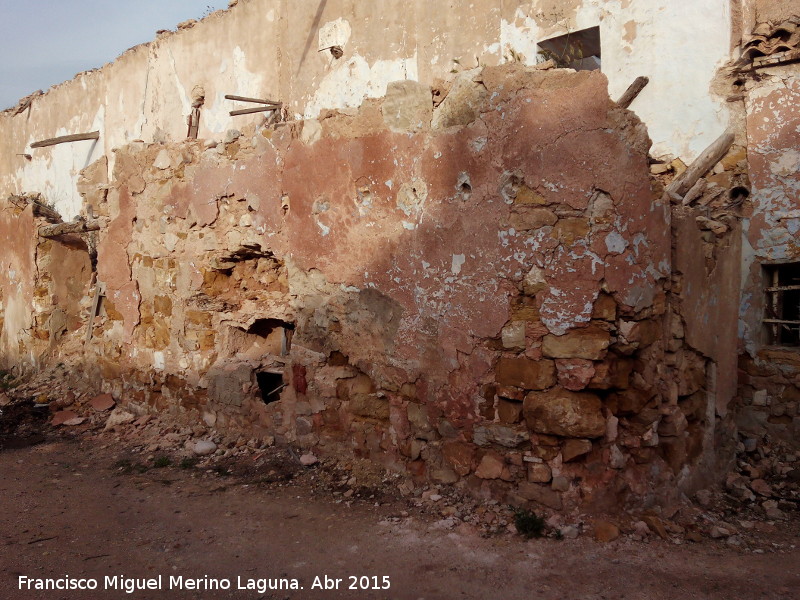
{"x":540,"y":494}
{"x":513,"y":335}
{"x":460,"y":456}
{"x":408,"y":106}
{"x":495,"y":433}
{"x":539,"y":473}
{"x":575,"y":448}
{"x":564,"y":413}
{"x":574,"y":373}
{"x":526,"y":217}
{"x":491,"y":466}
{"x":570,"y":229}
{"x":588,"y":342}
{"x":369,"y":406}
{"x":420,"y":422}
{"x":526,"y":373}
{"x":461,"y":105}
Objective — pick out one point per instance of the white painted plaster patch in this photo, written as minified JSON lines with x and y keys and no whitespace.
{"x":334,"y":33}
{"x":350,"y":82}
{"x":615,"y":243}
{"x":458,"y":262}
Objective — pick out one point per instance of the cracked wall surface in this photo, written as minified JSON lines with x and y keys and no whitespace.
{"x":476,"y":291}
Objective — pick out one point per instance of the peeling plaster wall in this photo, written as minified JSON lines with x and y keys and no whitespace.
{"x":279,"y":49}
{"x":769,"y":375}
{"x":475,"y":291}
{"x":771,"y":227}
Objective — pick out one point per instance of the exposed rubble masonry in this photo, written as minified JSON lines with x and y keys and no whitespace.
{"x":474,"y":292}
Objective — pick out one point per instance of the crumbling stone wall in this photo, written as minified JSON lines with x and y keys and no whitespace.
{"x":282,"y":50}
{"x":475,"y":292}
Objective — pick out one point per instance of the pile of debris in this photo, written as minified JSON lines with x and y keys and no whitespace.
{"x":756,"y":499}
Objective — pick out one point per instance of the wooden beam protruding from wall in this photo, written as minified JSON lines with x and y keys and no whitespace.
{"x":256,"y":100}
{"x":633,"y":90}
{"x":49,"y":231}
{"x":75,"y":137}
{"x":701,"y":165}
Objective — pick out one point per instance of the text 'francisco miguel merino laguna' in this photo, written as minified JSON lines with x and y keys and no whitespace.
{"x":131,"y":585}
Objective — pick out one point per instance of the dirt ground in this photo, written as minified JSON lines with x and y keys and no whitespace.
{"x":78,"y":507}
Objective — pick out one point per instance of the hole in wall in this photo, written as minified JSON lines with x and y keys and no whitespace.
{"x":579,"y":50}
{"x":270,"y":385}
{"x":464,"y":186}
{"x":739,"y":192}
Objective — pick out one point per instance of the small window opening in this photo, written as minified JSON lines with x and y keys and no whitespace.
{"x":579,"y":50}
{"x":782,"y":309}
{"x":271,"y":384}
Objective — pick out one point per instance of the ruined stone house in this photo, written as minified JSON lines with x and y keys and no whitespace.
{"x":448,"y":240}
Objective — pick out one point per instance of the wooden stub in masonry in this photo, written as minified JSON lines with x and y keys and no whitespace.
{"x":194,"y":123}
{"x":710,"y":156}
{"x":633,"y":90}
{"x":247,"y":111}
{"x":76,"y":137}
{"x":48,"y":231}
{"x":256,"y":100}
{"x":98,"y":291}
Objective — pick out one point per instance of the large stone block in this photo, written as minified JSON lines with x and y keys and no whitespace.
{"x":495,"y":433}
{"x":588,"y":342}
{"x":526,"y":373}
{"x":408,"y":106}
{"x":561,"y":412}
{"x":527,"y":217}
{"x":369,"y":406}
{"x":540,"y":494}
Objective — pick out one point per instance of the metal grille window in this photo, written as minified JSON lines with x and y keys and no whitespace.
{"x":782,"y":308}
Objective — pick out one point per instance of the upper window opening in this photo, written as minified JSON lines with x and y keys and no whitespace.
{"x":579,"y":50}
{"x":782,"y":307}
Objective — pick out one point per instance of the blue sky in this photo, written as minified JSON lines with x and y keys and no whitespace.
{"x":45,"y":42}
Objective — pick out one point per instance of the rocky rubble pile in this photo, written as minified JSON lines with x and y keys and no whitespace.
{"x":760,"y":496}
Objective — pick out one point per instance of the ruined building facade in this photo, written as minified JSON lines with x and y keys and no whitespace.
{"x":445,"y":251}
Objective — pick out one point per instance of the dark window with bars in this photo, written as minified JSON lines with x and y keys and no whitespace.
{"x":782,"y":309}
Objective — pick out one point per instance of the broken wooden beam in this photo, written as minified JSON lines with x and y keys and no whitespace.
{"x":710,"y":156}
{"x":247,"y":111}
{"x":48,"y":231}
{"x":256,"y":100}
{"x":633,"y":90}
{"x":39,"y":209}
{"x":75,"y":137}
